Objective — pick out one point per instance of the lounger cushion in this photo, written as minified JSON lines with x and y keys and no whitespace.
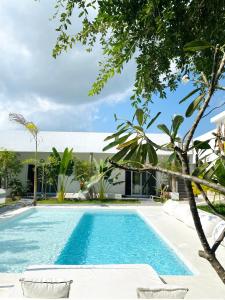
{"x":165,"y":291}
{"x":47,"y":288}
{"x":208,"y":223}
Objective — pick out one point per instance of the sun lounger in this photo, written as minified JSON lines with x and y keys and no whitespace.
{"x":181,"y":211}
{"x":99,"y":281}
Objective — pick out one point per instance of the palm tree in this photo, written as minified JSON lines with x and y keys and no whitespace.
{"x":33,"y":130}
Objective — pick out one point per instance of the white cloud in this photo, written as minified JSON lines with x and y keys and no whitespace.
{"x":48,"y":114}
{"x":40,"y":87}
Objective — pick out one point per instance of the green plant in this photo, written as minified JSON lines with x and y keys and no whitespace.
{"x":138,"y":153}
{"x":159,"y":35}
{"x":104,"y":178}
{"x":83,"y":170}
{"x":33,"y":130}
{"x":16,"y":188}
{"x":219,"y":206}
{"x":63,"y":166}
{"x":10,"y":167}
{"x":153,"y":33}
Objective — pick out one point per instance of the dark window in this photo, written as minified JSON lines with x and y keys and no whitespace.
{"x":42,"y":186}
{"x":140,"y":184}
{"x":128,"y":183}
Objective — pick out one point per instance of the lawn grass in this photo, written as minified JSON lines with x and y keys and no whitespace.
{"x":220,"y":208}
{"x":54,"y":201}
{"x":9,"y":202}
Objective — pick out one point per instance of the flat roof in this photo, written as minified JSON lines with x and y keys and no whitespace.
{"x":218,"y":118}
{"x":81,"y":142}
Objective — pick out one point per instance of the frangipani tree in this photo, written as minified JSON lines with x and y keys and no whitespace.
{"x":33,"y":130}
{"x":138,"y":153}
{"x":154,"y":34}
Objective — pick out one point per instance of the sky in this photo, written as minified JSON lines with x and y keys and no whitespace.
{"x":53,"y":93}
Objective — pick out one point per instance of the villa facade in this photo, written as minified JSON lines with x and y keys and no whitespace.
{"x":86,"y":146}
{"x":89,"y":145}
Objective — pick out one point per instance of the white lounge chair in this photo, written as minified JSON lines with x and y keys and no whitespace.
{"x":99,"y":281}
{"x":181,"y":211}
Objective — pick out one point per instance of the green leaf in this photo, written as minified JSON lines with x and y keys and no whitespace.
{"x":202,"y":145}
{"x":81,"y":14}
{"x":116,"y":142}
{"x":152,"y":155}
{"x":117,"y":134}
{"x":144,"y":152}
{"x":153,"y":119}
{"x":172,"y":157}
{"x":138,"y":128}
{"x":177,"y":121}
{"x":197,"y":45}
{"x":189,"y":95}
{"x":194,"y":105}
{"x":140,"y":116}
{"x":120,"y":154}
{"x":128,"y":143}
{"x":164,"y":129}
{"x":200,"y":170}
{"x":137,"y":156}
{"x":131,"y":152}
{"x":220,"y":171}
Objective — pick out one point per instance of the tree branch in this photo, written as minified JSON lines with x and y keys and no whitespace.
{"x":214,"y":80}
{"x":216,"y":107}
{"x":149,"y":167}
{"x":220,"y":87}
{"x":208,"y":202}
{"x":218,"y":241}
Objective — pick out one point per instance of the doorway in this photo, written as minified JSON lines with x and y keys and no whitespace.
{"x":140,"y":184}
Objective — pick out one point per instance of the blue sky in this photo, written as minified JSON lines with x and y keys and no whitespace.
{"x":169,"y":107}
{"x":54,"y":93}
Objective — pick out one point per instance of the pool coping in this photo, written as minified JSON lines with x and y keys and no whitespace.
{"x":176,"y":234}
{"x":171,"y":246}
{"x":185,"y":260}
{"x":189,"y":265}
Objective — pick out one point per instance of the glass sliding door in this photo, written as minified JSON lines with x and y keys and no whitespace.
{"x":146,"y":177}
{"x":143,"y":184}
{"x":136,"y":184}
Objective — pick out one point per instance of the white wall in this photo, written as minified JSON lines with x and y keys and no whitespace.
{"x":74,"y":186}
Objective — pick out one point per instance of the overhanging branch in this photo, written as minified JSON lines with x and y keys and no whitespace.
{"x":215,"y":211}
{"x":215,"y":77}
{"x":218,"y":241}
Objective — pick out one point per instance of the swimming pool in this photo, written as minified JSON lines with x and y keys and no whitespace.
{"x":75,"y":236}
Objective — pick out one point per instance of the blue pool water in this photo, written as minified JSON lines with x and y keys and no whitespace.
{"x":69,"y":236}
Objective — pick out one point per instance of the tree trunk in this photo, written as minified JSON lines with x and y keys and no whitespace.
{"x":207,"y":253}
{"x":35,"y":176}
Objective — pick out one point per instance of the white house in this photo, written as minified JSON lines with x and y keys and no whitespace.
{"x":219,"y":121}
{"x":85,"y":145}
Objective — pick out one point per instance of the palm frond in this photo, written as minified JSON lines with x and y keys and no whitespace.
{"x":30,"y":126}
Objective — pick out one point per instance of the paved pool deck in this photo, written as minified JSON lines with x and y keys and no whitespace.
{"x":204,"y":284}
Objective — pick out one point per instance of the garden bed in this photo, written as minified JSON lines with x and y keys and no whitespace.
{"x":54,"y":201}
{"x":220,"y":208}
